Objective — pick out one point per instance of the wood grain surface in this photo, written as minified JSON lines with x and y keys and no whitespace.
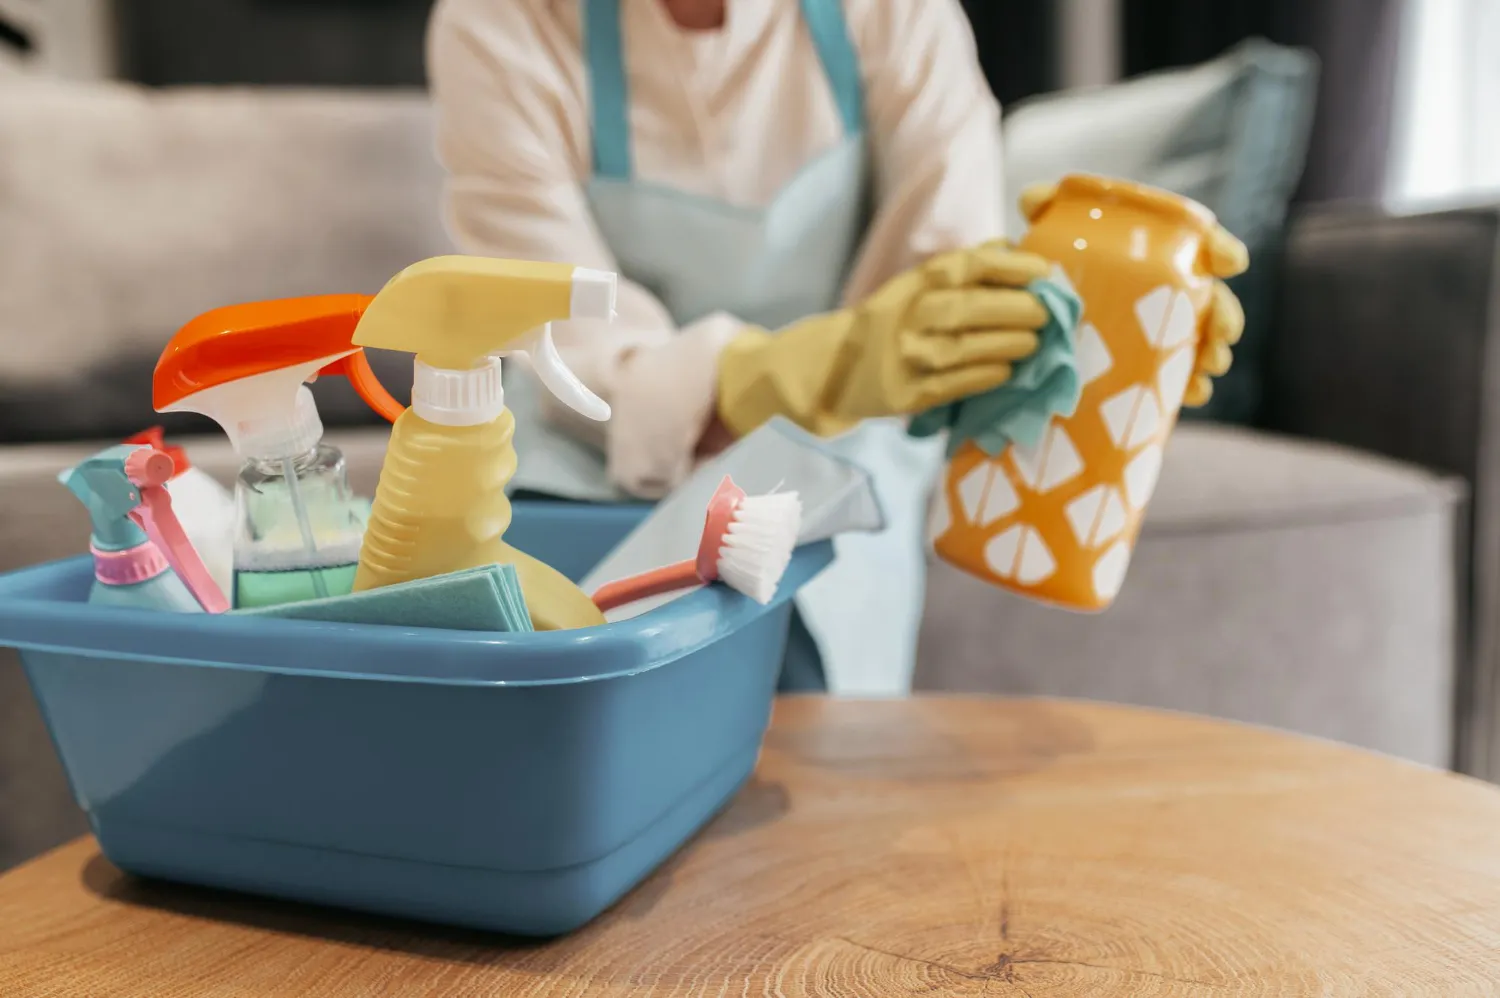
{"x":927,"y":847}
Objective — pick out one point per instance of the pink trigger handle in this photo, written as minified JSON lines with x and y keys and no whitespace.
{"x":149,"y":470}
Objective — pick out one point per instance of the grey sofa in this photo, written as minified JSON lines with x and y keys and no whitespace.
{"x":1280,"y":581}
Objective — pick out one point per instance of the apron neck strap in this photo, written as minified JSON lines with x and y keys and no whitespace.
{"x":604,"y":51}
{"x":830,"y":36}
{"x":609,"y":93}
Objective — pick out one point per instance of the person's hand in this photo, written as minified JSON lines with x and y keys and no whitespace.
{"x":1224,"y":320}
{"x":950,"y":328}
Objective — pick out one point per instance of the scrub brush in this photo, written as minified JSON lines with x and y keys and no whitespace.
{"x":747,"y":544}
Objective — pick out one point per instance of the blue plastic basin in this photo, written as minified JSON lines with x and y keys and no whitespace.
{"x":517,"y":783}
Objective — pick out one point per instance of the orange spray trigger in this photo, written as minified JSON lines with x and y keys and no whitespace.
{"x":244,"y":366}
{"x":356,"y":367}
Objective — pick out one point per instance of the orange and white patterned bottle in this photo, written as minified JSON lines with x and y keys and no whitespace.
{"x":1058,"y":522}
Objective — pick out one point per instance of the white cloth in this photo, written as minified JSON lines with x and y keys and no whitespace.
{"x":731,"y":114}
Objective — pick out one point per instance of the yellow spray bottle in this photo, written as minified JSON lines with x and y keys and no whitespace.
{"x":441,"y":504}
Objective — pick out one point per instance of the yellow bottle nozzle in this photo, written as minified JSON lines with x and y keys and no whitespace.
{"x":456,"y":312}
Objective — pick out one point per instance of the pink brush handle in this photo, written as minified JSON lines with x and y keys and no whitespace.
{"x":683,"y":575}
{"x":698,"y":571}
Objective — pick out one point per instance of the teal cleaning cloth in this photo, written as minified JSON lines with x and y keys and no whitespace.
{"x":476,"y":599}
{"x":1044,"y":385}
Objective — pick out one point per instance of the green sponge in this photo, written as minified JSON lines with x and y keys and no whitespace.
{"x":475,"y":599}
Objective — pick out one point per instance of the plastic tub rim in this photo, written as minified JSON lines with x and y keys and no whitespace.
{"x":640,"y":644}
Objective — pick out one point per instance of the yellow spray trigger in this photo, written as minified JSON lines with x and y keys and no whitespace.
{"x":454,"y":312}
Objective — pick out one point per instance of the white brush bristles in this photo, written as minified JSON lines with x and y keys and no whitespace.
{"x":758,"y":545}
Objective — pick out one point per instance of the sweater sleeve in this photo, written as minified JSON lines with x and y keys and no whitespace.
{"x":935,"y":136}
{"x":512,"y":133}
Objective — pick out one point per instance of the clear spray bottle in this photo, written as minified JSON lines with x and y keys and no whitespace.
{"x":298,"y":525}
{"x":311,"y":553}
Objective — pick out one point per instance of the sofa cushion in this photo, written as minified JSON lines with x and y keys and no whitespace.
{"x":1276,"y":582}
{"x":1225,"y":478}
{"x":128,"y":211}
{"x":1231,"y":133}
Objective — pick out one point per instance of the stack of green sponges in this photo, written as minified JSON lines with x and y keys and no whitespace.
{"x":476,"y":599}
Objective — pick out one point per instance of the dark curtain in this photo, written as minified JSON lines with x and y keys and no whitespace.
{"x":276,"y":42}
{"x":1355,"y":40}
{"x":1017,"y":42}
{"x":379,"y":42}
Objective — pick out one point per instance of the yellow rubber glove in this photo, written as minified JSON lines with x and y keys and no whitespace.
{"x":942,"y":331}
{"x":1225,"y":320}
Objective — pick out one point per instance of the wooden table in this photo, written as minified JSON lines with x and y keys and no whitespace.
{"x":933,"y":847}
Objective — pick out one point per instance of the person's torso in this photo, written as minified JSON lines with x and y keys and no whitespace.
{"x":770,"y":262}
{"x":703,"y":106}
{"x":730,"y":172}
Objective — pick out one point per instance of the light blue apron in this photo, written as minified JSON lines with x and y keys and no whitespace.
{"x":769,"y":266}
